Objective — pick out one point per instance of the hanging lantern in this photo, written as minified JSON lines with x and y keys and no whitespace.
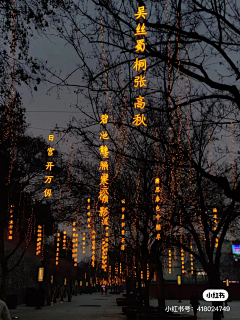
{"x":57,"y":249}
{"x":10,"y":223}
{"x":64,"y":240}
{"x":39,"y":240}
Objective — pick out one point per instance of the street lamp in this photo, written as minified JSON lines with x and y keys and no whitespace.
{"x":179,"y":282}
{"x":227,"y":285}
{"x":40,"y":274}
{"x":51,"y":287}
{"x":40,"y":281}
{"x":80,"y":287}
{"x":227,"y":282}
{"x":76,"y":285}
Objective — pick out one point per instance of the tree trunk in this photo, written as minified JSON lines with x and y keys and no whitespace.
{"x":128,"y":286}
{"x":146,"y":294}
{"x":160,"y":287}
{"x":4,"y":280}
{"x":214,"y":283}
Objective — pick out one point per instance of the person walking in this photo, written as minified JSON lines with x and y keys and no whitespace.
{"x":195,"y":303}
{"x":4,"y":312}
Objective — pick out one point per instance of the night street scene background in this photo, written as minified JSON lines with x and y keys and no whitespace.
{"x":119,"y":159}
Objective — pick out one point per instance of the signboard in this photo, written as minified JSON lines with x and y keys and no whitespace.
{"x":236,"y":252}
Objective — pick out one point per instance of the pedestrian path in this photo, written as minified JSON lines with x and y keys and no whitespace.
{"x":82,"y":307}
{"x":100,"y":307}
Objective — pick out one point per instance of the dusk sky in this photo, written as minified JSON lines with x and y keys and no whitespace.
{"x":45,"y":109}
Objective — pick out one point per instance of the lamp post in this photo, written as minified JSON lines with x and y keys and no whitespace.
{"x":51,"y":288}
{"x":179,"y":282}
{"x":76,"y":285}
{"x":40,"y":281}
{"x":80,"y":284}
{"x":227,"y":285}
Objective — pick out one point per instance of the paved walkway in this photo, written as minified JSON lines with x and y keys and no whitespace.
{"x":96,"y":306}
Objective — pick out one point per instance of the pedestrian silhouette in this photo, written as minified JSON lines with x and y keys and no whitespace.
{"x":195,"y":303}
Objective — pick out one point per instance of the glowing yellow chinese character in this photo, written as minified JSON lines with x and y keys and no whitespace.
{"x":51,"y":137}
{"x":50,"y":151}
{"x":158,"y":217}
{"x":139,"y":119}
{"x":140,"y":45}
{"x":104,"y":179}
{"x":139,"y":104}
{"x":157,"y":180}
{"x":48,"y":192}
{"x":122,"y":224}
{"x":49,"y":166}
{"x":104,"y":135}
{"x":157,"y":190}
{"x":140,"y":30}
{"x":141,"y":13}
{"x":158,"y":237}
{"x":140,"y":64}
{"x":104,"y":151}
{"x":103,"y":165}
{"x":49,"y":179}
{"x":140,"y":81}
{"x":158,"y":208}
{"x":103,"y":195}
{"x":104,"y":119}
{"x":105,"y":221}
{"x":122,"y":247}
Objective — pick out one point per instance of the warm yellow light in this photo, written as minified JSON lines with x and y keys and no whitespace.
{"x":158,"y":237}
{"x":104,"y":119}
{"x":40,"y":274}
{"x":141,"y":13}
{"x":140,"y":45}
{"x":103,"y":195}
{"x":104,"y":135}
{"x":104,"y":151}
{"x":49,"y":179}
{"x":179,"y":280}
{"x":140,"y":64}
{"x":104,"y":179}
{"x":103,"y":165}
{"x":48,"y":193}
{"x":140,"y":30}
{"x":139,"y":119}
{"x":49,"y":166}
{"x":103,"y":212}
{"x":51,"y":137}
{"x":140,"y":81}
{"x":50,"y":151}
